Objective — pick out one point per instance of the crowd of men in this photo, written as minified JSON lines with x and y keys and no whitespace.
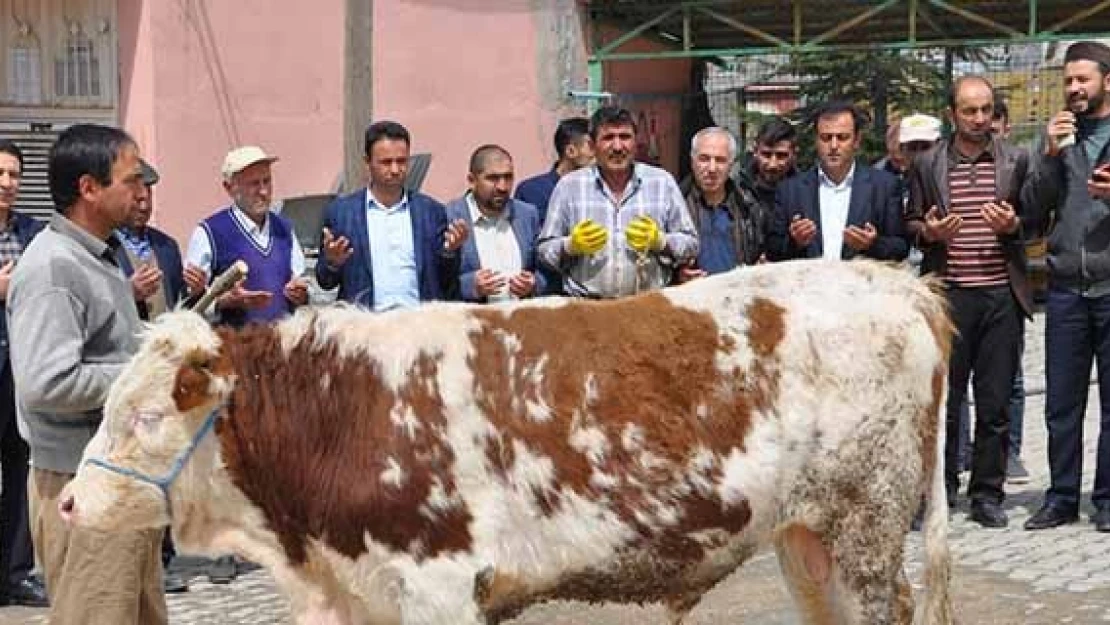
{"x":598,"y":225}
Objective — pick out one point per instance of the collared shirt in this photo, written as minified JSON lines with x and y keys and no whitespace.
{"x":498,"y":249}
{"x":137,"y":244}
{"x":199,"y":252}
{"x":10,"y":247}
{"x":614,"y":271}
{"x":392,"y":254}
{"x":537,"y":191}
{"x":717,"y":238}
{"x":834,"y":200}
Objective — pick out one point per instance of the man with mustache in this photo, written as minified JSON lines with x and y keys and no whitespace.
{"x":838,"y":210}
{"x":1070,"y":189}
{"x":730,"y":220}
{"x":498,"y":263}
{"x":619,"y":227}
{"x":965,"y":217}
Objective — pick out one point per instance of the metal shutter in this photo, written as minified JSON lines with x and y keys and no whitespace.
{"x":35,"y":139}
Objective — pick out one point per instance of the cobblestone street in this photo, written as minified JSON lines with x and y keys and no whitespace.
{"x":1006,"y":576}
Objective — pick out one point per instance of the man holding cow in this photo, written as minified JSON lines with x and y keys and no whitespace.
{"x":70,"y":339}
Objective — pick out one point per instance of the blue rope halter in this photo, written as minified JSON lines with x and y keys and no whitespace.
{"x":165,"y":481}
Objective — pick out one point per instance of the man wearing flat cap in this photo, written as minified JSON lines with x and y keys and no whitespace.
{"x":150,"y":258}
{"x":1070,"y":189}
{"x":250,"y":231}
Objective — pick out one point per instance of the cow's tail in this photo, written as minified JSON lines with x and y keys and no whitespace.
{"x":936,"y":608}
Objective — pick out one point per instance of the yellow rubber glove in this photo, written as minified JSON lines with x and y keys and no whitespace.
{"x":587,"y":237}
{"x":643,"y":234}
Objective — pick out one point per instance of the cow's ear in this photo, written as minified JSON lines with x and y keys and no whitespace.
{"x":190,"y":387}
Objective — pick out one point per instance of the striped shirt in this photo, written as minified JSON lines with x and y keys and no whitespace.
{"x":613,"y":271}
{"x":975,"y":257}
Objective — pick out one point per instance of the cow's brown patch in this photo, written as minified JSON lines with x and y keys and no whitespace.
{"x":191,"y":384}
{"x":309,"y":434}
{"x":652,"y":365}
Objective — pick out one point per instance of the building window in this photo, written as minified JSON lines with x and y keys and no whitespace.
{"x":24,"y":70}
{"x":77,"y":70}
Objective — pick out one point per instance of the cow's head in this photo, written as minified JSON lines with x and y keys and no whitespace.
{"x":155,"y":429}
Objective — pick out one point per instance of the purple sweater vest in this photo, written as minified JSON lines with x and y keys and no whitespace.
{"x":269,"y":268}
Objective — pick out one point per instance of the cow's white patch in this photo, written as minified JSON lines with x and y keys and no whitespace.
{"x":404,"y":417}
{"x":632,"y":437}
{"x":393,"y":475}
{"x":590,"y":441}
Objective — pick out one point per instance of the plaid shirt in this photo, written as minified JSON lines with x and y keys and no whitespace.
{"x":613,"y":271}
{"x":10,"y":247}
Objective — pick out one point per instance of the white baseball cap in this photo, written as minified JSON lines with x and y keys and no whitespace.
{"x":918,"y":127}
{"x":243,"y":157}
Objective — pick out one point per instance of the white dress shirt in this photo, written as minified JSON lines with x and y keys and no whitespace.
{"x":498,"y":249}
{"x":834,"y":200}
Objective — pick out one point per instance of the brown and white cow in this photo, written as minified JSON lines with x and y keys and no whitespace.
{"x":456,"y":464}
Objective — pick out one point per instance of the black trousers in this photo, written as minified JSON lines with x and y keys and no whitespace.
{"x":17,"y":556}
{"x":988,"y":344}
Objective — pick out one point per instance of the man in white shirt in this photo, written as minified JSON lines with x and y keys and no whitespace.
{"x":838,"y":210}
{"x":248,"y":230}
{"x":498,"y":262}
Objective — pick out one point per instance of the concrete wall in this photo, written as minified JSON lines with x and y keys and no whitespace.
{"x":201,"y":76}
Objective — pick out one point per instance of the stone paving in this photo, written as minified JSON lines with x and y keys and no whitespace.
{"x":1001,"y":577}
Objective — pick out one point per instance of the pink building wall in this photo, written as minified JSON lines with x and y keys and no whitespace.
{"x":200,"y":77}
{"x":461,"y":74}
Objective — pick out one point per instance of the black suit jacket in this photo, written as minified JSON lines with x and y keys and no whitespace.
{"x":876,"y":199}
{"x":25,"y":228}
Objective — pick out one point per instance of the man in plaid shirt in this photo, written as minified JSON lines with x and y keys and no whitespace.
{"x":619,"y":227}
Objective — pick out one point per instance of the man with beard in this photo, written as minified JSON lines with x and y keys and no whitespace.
{"x":772,"y":160}
{"x":838,"y":210}
{"x":964,"y":215}
{"x":1070,"y":189}
{"x":619,"y":227}
{"x":729,"y":219}
{"x":498,"y":262}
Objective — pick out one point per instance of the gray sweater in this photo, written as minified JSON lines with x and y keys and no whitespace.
{"x":73,"y":325}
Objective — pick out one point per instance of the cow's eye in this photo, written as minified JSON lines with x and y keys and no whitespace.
{"x":146,"y":419}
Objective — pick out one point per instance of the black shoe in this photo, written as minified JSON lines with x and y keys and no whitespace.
{"x":988,"y":514}
{"x":1050,"y":516}
{"x":29,"y":592}
{"x":1101,"y":519}
{"x":174,"y":582}
{"x":222,"y":570}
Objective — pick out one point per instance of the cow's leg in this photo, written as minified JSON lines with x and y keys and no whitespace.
{"x":807,"y":566}
{"x":867,"y":564}
{"x":440,"y":592}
